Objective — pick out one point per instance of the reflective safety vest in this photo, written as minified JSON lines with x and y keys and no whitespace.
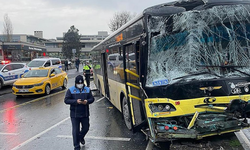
{"x":97,"y":66}
{"x":86,"y":69}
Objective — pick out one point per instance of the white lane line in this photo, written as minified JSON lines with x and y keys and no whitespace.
{"x":100,"y":99}
{"x":39,"y":134}
{"x":243,"y":139}
{"x":4,"y":133}
{"x":98,"y":138}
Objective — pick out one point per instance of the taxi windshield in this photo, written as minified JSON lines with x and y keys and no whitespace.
{"x":37,"y":73}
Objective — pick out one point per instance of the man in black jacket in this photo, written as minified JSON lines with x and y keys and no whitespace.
{"x":79,"y":97}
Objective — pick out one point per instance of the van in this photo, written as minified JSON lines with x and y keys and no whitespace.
{"x":45,"y":62}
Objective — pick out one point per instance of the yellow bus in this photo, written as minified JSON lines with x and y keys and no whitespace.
{"x":180,"y":69}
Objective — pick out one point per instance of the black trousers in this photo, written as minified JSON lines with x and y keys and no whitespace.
{"x":66,"y":67}
{"x":87,"y":78}
{"x":76,"y":132}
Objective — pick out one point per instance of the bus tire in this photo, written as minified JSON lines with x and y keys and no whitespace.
{"x":125,"y":112}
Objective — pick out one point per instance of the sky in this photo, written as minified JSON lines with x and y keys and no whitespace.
{"x":54,"y":17}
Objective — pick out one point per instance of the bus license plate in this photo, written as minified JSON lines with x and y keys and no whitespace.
{"x":23,"y":90}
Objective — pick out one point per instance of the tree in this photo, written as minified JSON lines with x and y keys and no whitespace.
{"x":119,"y":19}
{"x":71,"y":40}
{"x":8,"y":30}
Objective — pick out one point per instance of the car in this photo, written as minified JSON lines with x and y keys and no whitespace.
{"x":40,"y":81}
{"x":115,"y":59}
{"x":45,"y":62}
{"x":119,"y":71}
{"x":10,"y":72}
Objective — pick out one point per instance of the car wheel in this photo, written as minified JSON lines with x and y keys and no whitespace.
{"x":64,"y":84}
{"x":47,"y":89}
{"x":125,"y":112}
{"x":1,"y":83}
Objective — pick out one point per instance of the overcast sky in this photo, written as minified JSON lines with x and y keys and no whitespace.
{"x":54,"y":17}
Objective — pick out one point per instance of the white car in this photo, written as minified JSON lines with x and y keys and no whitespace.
{"x":9,"y":73}
{"x":45,"y":62}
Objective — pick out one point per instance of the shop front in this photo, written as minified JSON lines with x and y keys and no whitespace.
{"x":20,"y":53}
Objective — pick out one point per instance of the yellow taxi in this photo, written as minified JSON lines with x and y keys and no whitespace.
{"x":119,"y":71}
{"x":40,"y":81}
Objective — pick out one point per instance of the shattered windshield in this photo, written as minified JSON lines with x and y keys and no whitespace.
{"x":188,"y":43}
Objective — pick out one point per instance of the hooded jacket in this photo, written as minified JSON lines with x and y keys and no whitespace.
{"x":72,"y":94}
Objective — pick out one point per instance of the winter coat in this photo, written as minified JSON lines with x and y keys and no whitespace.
{"x":78,"y":110}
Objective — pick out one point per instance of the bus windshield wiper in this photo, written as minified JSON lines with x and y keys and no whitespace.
{"x":228,"y":67}
{"x":196,"y":74}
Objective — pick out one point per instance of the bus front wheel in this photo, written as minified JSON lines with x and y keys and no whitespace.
{"x":125,"y":112}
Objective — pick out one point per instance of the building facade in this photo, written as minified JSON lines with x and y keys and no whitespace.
{"x":21,"y":47}
{"x":54,"y":47}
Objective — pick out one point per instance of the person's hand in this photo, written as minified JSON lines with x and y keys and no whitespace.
{"x":84,"y":102}
{"x":79,"y":101}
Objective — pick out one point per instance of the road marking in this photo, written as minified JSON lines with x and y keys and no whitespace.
{"x":2,"y":133}
{"x":35,"y":100}
{"x":100,"y":99}
{"x":39,"y":134}
{"x":243,"y":139}
{"x":98,"y":138}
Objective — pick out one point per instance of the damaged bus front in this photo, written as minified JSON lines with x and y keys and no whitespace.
{"x":198,"y":69}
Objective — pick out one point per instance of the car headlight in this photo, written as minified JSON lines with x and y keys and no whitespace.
{"x":39,"y":84}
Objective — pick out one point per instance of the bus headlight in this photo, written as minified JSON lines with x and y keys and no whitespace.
{"x":167,"y":107}
{"x":160,"y":107}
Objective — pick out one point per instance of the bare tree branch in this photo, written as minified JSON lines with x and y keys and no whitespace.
{"x":8,"y":30}
{"x":119,"y":19}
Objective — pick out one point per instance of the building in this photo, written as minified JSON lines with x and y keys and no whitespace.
{"x":54,"y":47}
{"x":25,"y":47}
{"x":22,"y":47}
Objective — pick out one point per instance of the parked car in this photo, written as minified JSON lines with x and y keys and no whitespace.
{"x":115,"y":59}
{"x":40,"y":81}
{"x":10,"y":72}
{"x":45,"y":62}
{"x":119,"y":71}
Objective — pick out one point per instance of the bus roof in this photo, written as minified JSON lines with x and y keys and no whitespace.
{"x":120,"y":29}
{"x":173,"y":8}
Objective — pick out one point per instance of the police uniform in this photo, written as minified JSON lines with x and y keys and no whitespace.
{"x":86,"y":71}
{"x":79,"y":113}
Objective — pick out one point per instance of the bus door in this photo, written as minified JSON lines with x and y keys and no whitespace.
{"x":105,"y":76}
{"x":131,"y":59}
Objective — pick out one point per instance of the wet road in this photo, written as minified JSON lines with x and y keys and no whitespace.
{"x":43,"y":123}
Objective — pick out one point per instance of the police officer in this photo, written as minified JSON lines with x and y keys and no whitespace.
{"x":79,"y":97}
{"x":87,"y":73}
